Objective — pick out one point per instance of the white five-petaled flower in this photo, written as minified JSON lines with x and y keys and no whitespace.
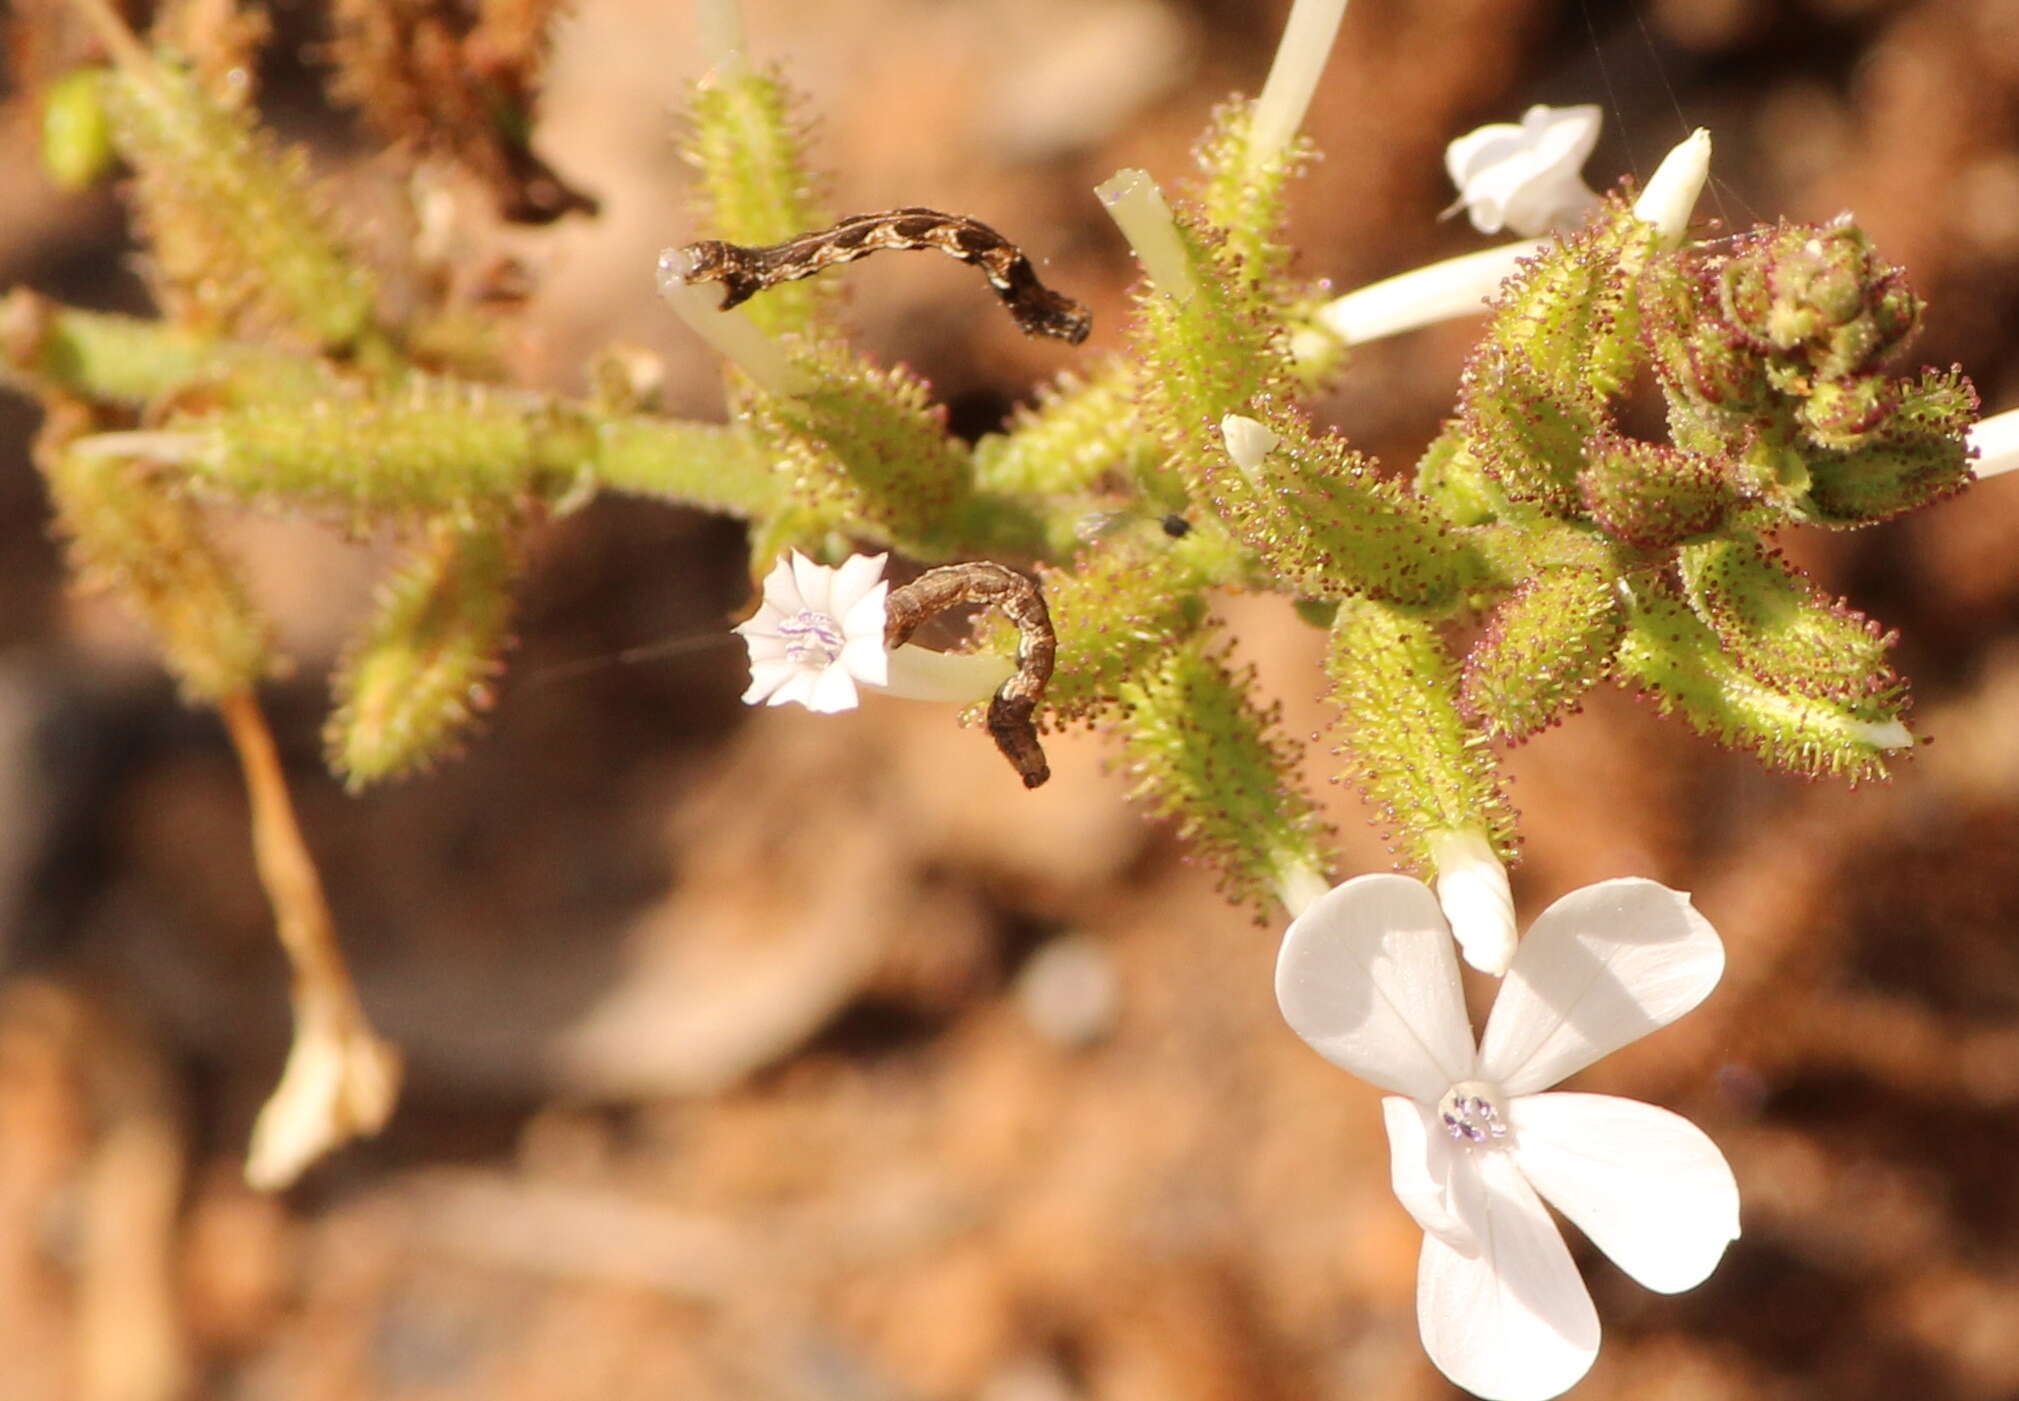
{"x":1367,"y":976}
{"x":817,"y":633}
{"x":1526,"y":177}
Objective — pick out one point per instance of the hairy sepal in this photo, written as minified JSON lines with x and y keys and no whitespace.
{"x":1202,"y":752}
{"x":1408,"y":749}
{"x":426,"y":446}
{"x":1671,"y":656}
{"x":152,"y":550}
{"x":1324,"y":524}
{"x":1545,"y":645}
{"x":235,"y":239}
{"x":1562,"y":343}
{"x":869,"y":444}
{"x":410,"y":686}
{"x":1247,"y":201}
{"x":1772,"y":621}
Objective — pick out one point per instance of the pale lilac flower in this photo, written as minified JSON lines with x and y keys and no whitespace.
{"x":1526,"y":177}
{"x":817,"y":633}
{"x":1367,"y":976}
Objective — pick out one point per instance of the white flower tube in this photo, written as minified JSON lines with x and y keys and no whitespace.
{"x":1472,"y":888}
{"x":734,"y":335}
{"x":1996,"y":441}
{"x":1477,"y":1140}
{"x":1456,"y":287}
{"x":1293,"y":77}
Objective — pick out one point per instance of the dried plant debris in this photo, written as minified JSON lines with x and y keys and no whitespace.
{"x":458,"y":81}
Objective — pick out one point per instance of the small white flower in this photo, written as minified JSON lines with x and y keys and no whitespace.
{"x":1368,"y":978}
{"x":818,"y":632}
{"x":1526,"y":178}
{"x":818,"y":636}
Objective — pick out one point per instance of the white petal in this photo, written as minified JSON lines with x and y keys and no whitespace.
{"x":766,"y":677}
{"x":866,"y":616}
{"x":781,"y":587}
{"x":814,"y":582}
{"x":798,"y":687}
{"x":763,"y":646}
{"x":853,"y":581}
{"x":833,"y":692}
{"x":1526,"y":177}
{"x":1367,"y":976}
{"x":1649,"y":1187}
{"x":1511,"y":1321}
{"x":1601,"y":967}
{"x":1419,"y":1169}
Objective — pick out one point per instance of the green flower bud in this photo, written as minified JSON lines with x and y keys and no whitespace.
{"x":1650,"y":494}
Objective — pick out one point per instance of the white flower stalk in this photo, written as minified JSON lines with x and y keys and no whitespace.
{"x":1293,"y":77}
{"x":734,"y":335}
{"x":1527,"y":177}
{"x":817,"y":639}
{"x":1367,"y":977}
{"x":1443,"y":291}
{"x":1472,"y":888}
{"x":1248,"y":441}
{"x":1671,"y":194}
{"x":1995,"y":440}
{"x":1137,"y":206}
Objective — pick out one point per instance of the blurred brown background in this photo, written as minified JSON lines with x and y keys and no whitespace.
{"x":759,"y":1055}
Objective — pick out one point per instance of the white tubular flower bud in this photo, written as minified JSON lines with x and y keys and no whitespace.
{"x":1671,"y":194}
{"x":1472,"y":887}
{"x":1137,"y":206}
{"x":1248,"y":442}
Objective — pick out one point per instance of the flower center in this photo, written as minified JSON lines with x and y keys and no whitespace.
{"x":811,"y":639}
{"x":1471,"y":1112}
